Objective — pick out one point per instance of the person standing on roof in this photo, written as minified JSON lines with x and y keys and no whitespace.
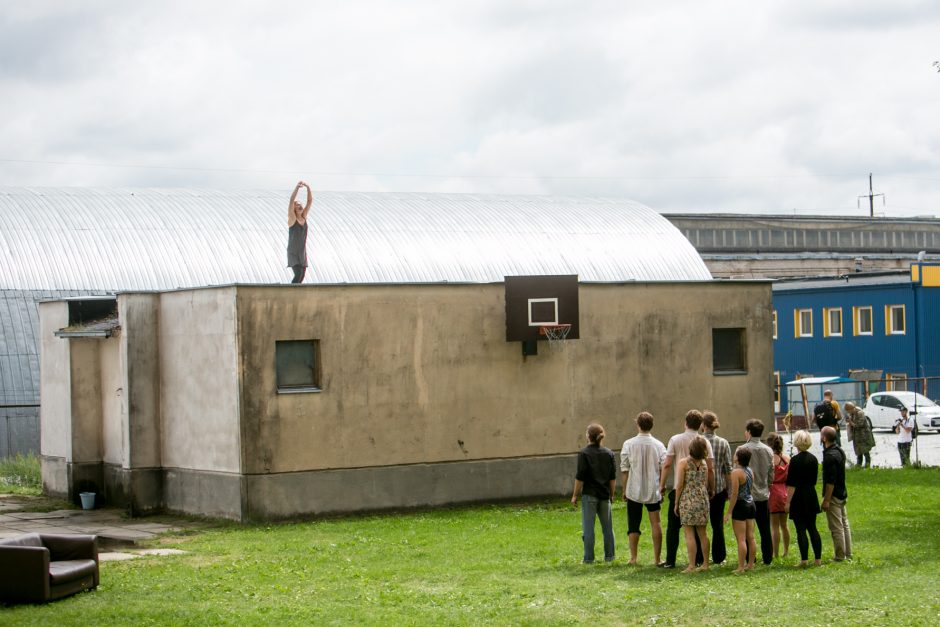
{"x":297,"y":233}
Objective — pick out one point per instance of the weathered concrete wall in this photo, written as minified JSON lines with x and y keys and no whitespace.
{"x":139,"y":316}
{"x":284,"y":495}
{"x":86,"y":445}
{"x":55,"y":381}
{"x":113,"y":414}
{"x":198,"y":381}
{"x":423,"y":374}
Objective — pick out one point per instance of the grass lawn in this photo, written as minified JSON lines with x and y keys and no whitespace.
{"x":516,"y":564}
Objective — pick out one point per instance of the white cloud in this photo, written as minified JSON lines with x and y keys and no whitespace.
{"x":685,"y":106}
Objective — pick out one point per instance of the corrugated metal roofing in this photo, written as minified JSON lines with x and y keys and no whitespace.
{"x":19,"y":344}
{"x":146,"y":239}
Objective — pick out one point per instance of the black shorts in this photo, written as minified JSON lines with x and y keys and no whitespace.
{"x":635,"y":514}
{"x":744,"y":510}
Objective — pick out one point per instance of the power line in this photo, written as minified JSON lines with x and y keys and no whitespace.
{"x":309,"y":173}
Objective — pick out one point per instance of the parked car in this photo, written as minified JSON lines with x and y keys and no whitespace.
{"x":884,"y":409}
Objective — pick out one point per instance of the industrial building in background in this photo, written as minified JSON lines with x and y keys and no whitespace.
{"x":787,"y":246}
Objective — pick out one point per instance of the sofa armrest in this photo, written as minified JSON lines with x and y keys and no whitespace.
{"x":24,"y":573}
{"x":70,"y":547}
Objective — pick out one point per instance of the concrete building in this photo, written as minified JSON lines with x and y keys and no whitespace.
{"x":182,"y":399}
{"x":782,"y":246}
{"x":418,"y":398}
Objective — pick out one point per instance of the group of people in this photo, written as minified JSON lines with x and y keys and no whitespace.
{"x":859,"y":427}
{"x":701,"y":484}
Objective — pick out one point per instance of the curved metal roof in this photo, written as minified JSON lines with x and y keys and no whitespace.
{"x":147,"y":239}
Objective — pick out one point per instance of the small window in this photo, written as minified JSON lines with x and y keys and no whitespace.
{"x":803,"y":319}
{"x":298,"y":365}
{"x":729,"y":351}
{"x":775,"y":324}
{"x":894,"y":320}
{"x":895,"y":382}
{"x":861,"y":320}
{"x":832,"y":317}
{"x":776,"y":390}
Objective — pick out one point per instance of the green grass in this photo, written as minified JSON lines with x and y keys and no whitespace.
{"x":517,"y":564}
{"x":20,"y":475}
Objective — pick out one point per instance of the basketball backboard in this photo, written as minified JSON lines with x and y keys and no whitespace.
{"x":533,"y":302}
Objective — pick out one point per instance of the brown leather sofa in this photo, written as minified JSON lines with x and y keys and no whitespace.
{"x":35,"y":568}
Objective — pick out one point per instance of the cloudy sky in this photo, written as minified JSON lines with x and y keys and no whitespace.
{"x":775,"y":106}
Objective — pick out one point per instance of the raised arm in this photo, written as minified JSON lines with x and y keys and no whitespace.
{"x":291,"y":216}
{"x":680,"y":480}
{"x":309,"y":200}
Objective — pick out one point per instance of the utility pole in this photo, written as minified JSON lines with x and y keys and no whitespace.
{"x":871,"y":198}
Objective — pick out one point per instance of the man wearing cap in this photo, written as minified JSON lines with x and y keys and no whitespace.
{"x":904,"y":427}
{"x":863,"y":440}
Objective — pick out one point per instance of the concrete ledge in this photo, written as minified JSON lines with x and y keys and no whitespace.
{"x":204,"y":493}
{"x":286,"y":495}
{"x":55,"y":476}
{"x":140,"y":490}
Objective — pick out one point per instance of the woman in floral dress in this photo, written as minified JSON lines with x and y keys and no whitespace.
{"x":692,"y":500}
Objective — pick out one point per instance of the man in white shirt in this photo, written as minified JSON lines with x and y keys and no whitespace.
{"x":676,"y":451}
{"x":905,"y":430}
{"x":641,"y":459}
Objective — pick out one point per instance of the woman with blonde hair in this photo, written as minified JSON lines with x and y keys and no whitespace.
{"x":780,"y":529}
{"x":692,"y":500}
{"x":802,"y":502}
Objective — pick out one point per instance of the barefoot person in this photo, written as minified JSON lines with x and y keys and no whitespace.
{"x":802,"y":503}
{"x":594,"y":482}
{"x":780,"y":529}
{"x":762,"y":460}
{"x":741,"y":509}
{"x":677,"y":450}
{"x":640,"y":461}
{"x":716,"y":505}
{"x":692,"y":500}
{"x":297,"y":233}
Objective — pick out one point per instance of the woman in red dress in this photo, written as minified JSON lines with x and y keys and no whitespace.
{"x":778,"y":496}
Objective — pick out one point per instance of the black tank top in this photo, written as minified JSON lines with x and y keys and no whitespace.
{"x":297,"y":244}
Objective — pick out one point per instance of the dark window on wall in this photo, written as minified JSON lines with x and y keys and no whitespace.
{"x":298,"y":365}
{"x":729,"y":351}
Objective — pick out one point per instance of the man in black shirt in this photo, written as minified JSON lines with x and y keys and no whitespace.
{"x":594,"y":482}
{"x":835,"y":495}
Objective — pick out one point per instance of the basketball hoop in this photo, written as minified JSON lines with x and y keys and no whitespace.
{"x":555,"y":333}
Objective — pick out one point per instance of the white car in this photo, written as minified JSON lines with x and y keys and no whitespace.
{"x":884,"y":409}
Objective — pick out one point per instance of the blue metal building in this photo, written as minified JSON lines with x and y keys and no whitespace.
{"x":882,"y":325}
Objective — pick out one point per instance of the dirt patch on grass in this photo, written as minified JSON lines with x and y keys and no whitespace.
{"x":27,"y":503}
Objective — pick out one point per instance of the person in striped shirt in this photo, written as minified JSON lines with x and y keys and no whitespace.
{"x":722,"y":451}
